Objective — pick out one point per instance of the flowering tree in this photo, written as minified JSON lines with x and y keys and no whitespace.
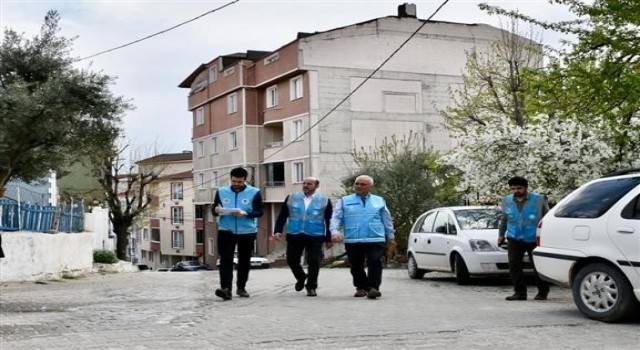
{"x":555,"y":155}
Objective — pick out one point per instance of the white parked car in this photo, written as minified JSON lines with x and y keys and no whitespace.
{"x":462,"y":240}
{"x":590,"y":242}
{"x":257,"y":261}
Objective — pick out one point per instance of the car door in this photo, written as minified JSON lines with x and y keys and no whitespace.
{"x":419,"y":236}
{"x":624,"y":230}
{"x":440,"y":241}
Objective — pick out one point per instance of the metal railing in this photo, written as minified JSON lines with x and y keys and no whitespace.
{"x":16,"y":216}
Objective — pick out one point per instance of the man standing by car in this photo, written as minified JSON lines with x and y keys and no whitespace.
{"x":521,"y":212}
{"x":309,"y":214}
{"x":368,"y":228}
{"x":237,"y":207}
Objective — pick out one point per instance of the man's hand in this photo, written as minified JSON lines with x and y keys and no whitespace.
{"x":277,"y":236}
{"x":336,"y":238}
{"x":240,"y":213}
{"x":501,"y":240}
{"x":218,"y":209}
{"x":328,"y":245}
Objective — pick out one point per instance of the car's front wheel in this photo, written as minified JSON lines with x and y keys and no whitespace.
{"x":413,"y":270}
{"x":603,"y":293}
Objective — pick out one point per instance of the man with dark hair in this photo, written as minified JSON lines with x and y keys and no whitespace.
{"x":237,"y":207}
{"x":308,"y":214}
{"x":521,"y":212}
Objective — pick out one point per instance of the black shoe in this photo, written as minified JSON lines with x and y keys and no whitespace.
{"x":517,"y":296}
{"x":242,"y":293}
{"x":311,"y":293}
{"x":300,"y":284}
{"x":360,"y":293}
{"x":541,"y":296}
{"x":373,"y":293}
{"x":224,"y":293}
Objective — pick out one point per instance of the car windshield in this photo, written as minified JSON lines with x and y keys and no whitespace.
{"x":478,"y":219}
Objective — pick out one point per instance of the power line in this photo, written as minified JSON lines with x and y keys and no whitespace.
{"x":158,"y":33}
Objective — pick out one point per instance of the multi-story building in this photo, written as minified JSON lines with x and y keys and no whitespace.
{"x":171,"y":229}
{"x":281,"y":113}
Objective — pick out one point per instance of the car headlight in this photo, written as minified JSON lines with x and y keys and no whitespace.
{"x":480,"y":245}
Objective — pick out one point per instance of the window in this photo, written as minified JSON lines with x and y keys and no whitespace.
{"x":210,"y":247}
{"x":296,"y":129}
{"x":145,"y":234}
{"x":214,"y":179}
{"x":200,"y":116}
{"x":298,"y":172}
{"x":425,"y":224}
{"x":200,"y":149}
{"x":199,"y":236}
{"x":199,"y":212}
{"x":440,"y":226}
{"x":144,"y":254}
{"x":213,"y":74}
{"x":596,"y":199}
{"x":177,"y":239}
{"x":233,"y":140}
{"x":214,"y":145}
{"x":296,"y":88}
{"x":632,"y":210}
{"x":200,"y":181}
{"x":176,"y":191}
{"x":275,"y":174}
{"x":232,"y":103}
{"x":272,"y":96}
{"x":227,"y":72}
{"x":155,"y":235}
{"x":177,"y":215}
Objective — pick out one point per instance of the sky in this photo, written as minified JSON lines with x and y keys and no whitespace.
{"x":148,"y":73}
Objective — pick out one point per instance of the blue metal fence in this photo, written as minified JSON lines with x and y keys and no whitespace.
{"x":16,"y":216}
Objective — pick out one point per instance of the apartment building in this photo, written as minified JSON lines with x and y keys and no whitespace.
{"x":171,"y":229}
{"x":281,"y":113}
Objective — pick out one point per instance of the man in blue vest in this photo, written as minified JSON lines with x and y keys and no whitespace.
{"x":237,"y":207}
{"x":308,"y":213}
{"x":368,"y":228}
{"x":521,"y":212}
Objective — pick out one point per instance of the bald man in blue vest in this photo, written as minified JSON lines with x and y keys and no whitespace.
{"x":307,"y":215}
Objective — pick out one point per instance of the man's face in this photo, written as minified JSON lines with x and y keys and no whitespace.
{"x":519,"y":191}
{"x":362,"y":186}
{"x":237,"y":183}
{"x":309,"y":186}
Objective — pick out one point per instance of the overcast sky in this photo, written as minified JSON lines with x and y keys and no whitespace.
{"x":149,"y":72}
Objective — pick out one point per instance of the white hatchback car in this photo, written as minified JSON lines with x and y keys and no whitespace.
{"x":590,"y":241}
{"x":462,"y":240}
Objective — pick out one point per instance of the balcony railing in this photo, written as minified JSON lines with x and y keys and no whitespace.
{"x":273,"y":144}
{"x":274,"y":183}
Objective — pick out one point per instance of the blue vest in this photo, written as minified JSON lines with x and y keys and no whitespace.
{"x":241,"y":200}
{"x":363,"y":223}
{"x":309,"y":221}
{"x":522,"y":226}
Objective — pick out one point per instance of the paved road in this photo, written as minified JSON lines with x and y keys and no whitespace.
{"x":170,"y":310}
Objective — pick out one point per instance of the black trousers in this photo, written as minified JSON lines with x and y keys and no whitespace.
{"x":372,"y":253}
{"x":296,"y":245}
{"x":227,"y":243}
{"x":516,"y":250}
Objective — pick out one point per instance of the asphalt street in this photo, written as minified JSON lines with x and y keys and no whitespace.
{"x":178,"y":310}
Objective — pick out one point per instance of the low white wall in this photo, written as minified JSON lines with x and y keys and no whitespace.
{"x":97,"y":221}
{"x":31,"y":256}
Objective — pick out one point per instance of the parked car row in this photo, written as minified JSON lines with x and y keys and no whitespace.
{"x":589,"y":241}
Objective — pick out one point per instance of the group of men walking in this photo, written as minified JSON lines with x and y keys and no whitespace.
{"x":360,"y":220}
{"x":311,"y":221}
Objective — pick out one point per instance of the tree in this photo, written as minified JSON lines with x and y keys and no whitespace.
{"x":596,"y":77}
{"x":50,"y":112}
{"x":409,"y":178}
{"x":125,"y":186}
{"x":555,"y":155}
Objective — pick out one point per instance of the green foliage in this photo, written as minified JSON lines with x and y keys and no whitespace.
{"x":410,"y":179}
{"x":104,"y":257}
{"x":50,"y":112}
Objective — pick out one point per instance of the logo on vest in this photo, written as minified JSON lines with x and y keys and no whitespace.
{"x":245,"y":201}
{"x":226,"y":201}
{"x":532,"y":216}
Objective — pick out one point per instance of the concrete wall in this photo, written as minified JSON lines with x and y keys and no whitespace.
{"x":97,"y":222}
{"x":31,"y":256}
